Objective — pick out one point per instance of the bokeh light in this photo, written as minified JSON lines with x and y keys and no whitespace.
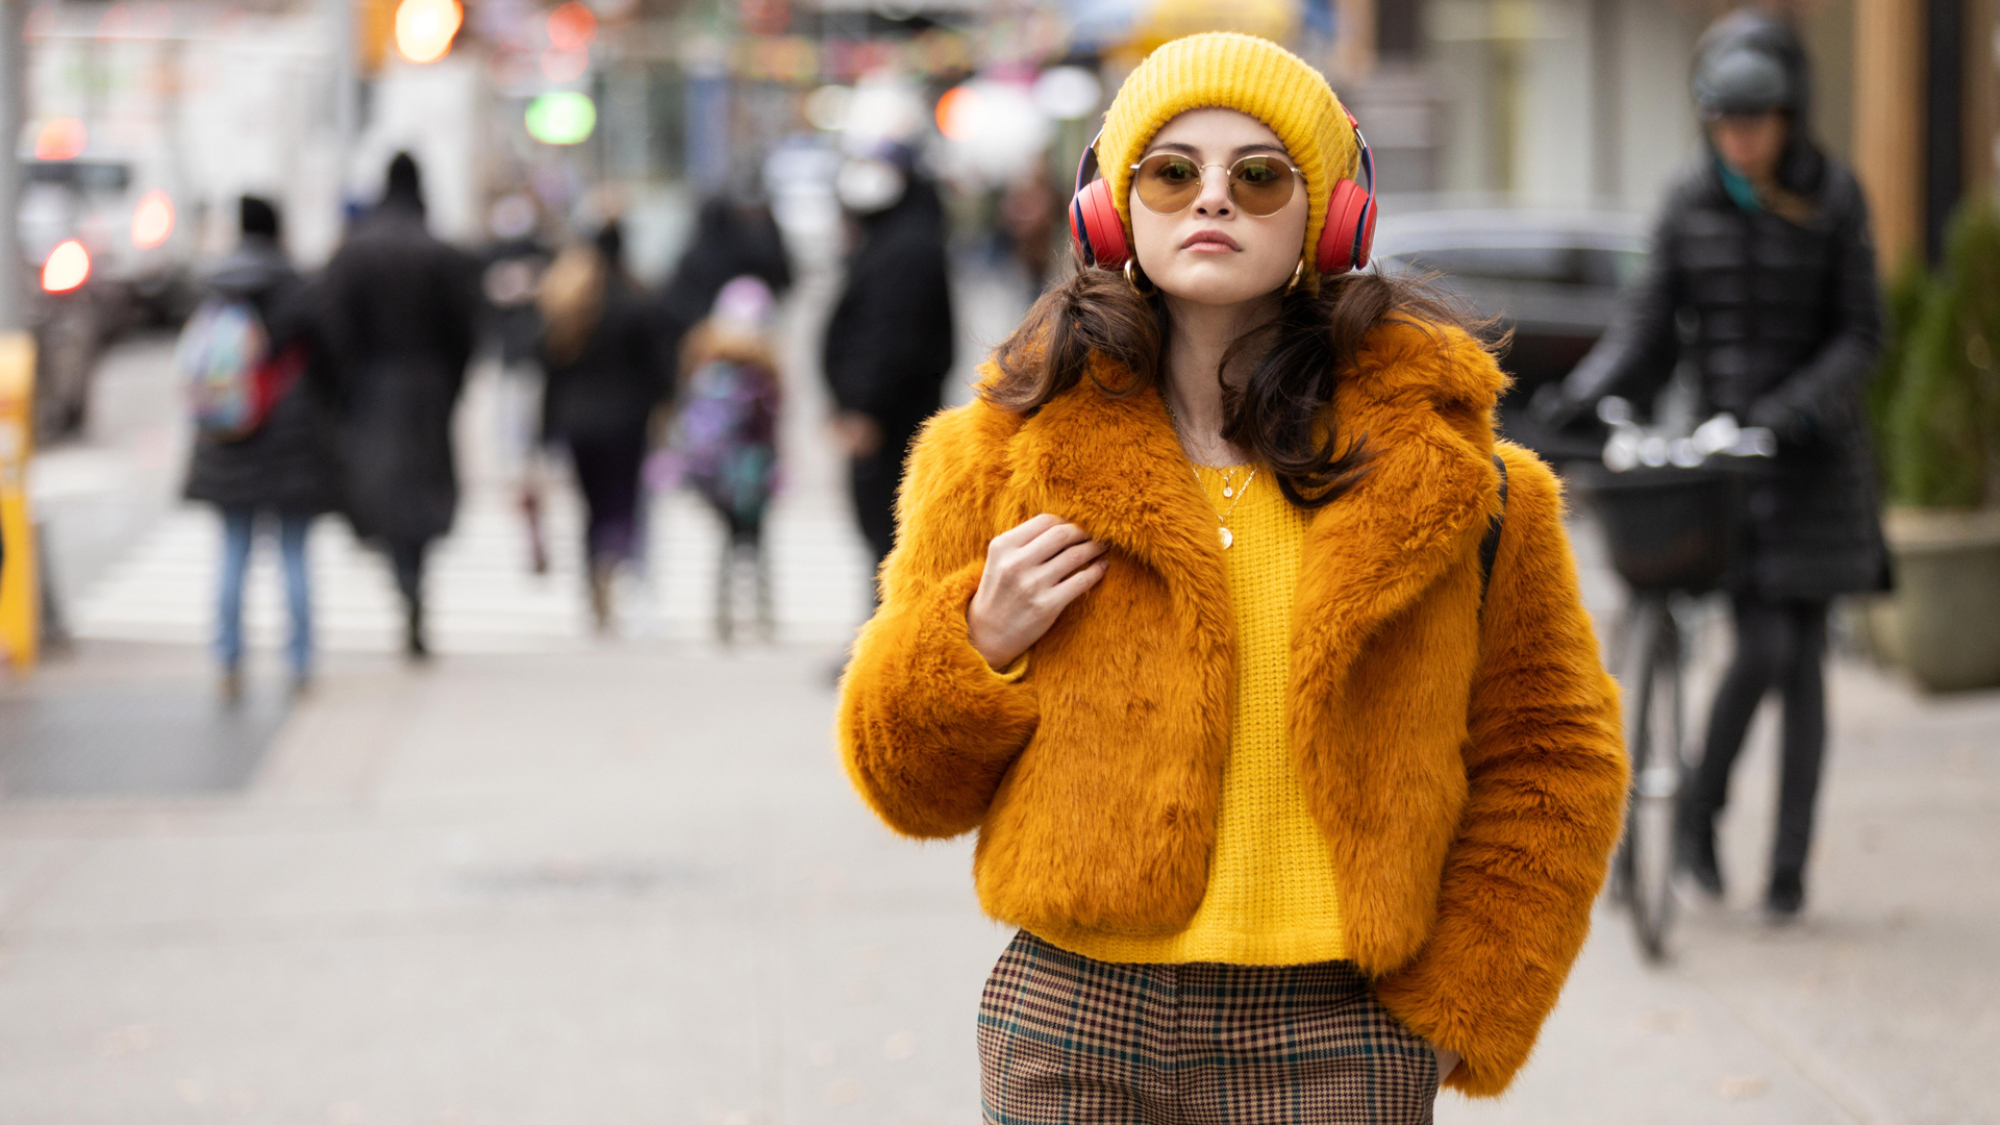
{"x":827,"y":106}
{"x":152,"y":219}
{"x":67,"y":267}
{"x":1068,"y":93}
{"x":956,"y":112}
{"x":425,"y":28}
{"x":60,"y":138}
{"x":571,"y":27}
{"x":561,"y":117}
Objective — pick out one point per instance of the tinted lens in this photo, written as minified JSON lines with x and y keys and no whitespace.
{"x":1261,"y":185}
{"x":1167,"y":183}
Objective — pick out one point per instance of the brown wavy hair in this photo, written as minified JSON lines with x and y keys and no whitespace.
{"x":1277,"y":414}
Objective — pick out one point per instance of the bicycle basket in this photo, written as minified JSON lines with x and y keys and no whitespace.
{"x":1665,"y":528}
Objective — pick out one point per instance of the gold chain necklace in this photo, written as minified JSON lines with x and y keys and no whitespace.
{"x":1231,"y":491}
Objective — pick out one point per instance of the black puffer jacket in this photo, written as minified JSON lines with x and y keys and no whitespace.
{"x":1784,"y":330}
{"x":889,"y":343}
{"x":288,"y":464}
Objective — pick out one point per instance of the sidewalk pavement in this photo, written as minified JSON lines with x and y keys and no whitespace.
{"x":627,"y":882}
{"x":630,"y":884}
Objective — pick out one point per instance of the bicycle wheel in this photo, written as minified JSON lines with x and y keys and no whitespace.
{"x":1650,"y":670}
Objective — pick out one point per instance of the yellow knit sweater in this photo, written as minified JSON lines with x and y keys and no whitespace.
{"x":1271,"y":898}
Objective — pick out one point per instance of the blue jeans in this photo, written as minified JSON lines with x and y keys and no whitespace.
{"x":238,"y":529}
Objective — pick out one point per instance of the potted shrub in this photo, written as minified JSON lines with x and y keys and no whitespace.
{"x":1937,"y":413}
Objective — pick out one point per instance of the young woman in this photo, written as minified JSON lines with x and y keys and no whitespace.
{"x":605,"y":377}
{"x":1299,"y":807}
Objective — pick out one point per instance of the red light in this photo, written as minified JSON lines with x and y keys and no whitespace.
{"x":152,"y":219}
{"x":60,"y":138}
{"x":572,"y":27}
{"x":955,"y":111}
{"x":68,"y":267}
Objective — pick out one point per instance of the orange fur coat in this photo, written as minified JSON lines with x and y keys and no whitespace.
{"x":1466,"y":767}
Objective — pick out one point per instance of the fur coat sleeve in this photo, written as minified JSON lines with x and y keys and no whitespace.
{"x":926,"y":728}
{"x":1545,"y":776}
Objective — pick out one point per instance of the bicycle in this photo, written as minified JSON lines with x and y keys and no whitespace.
{"x":1670,"y":509}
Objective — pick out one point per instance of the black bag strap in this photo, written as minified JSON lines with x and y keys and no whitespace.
{"x":1489,"y":547}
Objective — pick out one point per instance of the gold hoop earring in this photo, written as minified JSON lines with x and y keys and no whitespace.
{"x":1132,"y":276}
{"x":1298,"y":272}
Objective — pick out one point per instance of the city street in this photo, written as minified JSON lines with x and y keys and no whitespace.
{"x":552,"y":879}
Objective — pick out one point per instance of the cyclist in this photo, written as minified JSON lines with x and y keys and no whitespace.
{"x":1764,"y":247}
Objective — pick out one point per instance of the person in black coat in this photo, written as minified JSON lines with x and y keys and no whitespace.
{"x":889,"y":343}
{"x":601,"y":349}
{"x":285,"y":468}
{"x":1764,"y":246}
{"x":401,"y":316}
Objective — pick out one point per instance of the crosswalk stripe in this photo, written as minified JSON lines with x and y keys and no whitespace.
{"x":482,"y":595}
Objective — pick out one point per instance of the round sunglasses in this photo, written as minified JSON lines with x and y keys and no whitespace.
{"x":1168,"y":183}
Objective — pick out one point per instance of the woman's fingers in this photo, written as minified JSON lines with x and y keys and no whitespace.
{"x":1051,"y":542}
{"x":1029,"y":560}
{"x":1021,"y":533}
{"x":1067,"y":562}
{"x":1034,"y":570}
{"x":1072,"y":588}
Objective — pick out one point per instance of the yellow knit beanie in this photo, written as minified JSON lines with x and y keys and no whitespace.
{"x":1240,"y":72}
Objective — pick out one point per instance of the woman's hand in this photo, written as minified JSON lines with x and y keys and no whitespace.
{"x":1033,"y":572}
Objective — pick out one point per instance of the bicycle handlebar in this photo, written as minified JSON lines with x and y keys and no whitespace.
{"x":1631,"y":446}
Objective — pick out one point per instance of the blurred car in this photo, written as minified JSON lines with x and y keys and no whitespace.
{"x":104,"y":253}
{"x":1552,"y":278}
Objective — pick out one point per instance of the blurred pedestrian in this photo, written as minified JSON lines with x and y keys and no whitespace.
{"x":734,"y":236}
{"x":1258,"y":663}
{"x":1764,"y":244}
{"x":401,"y":314}
{"x":514,"y":262}
{"x":1029,"y":214}
{"x":726,"y":437}
{"x":601,"y":350}
{"x":273,"y":457}
{"x":889,"y":343}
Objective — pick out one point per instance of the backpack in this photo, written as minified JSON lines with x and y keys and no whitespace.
{"x":225,"y":363}
{"x":726,"y":435}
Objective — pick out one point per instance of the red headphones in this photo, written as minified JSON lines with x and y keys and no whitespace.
{"x":1344,"y":242}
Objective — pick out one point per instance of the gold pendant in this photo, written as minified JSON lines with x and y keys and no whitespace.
{"x":1227,"y":538}
{"x":1227,"y":492}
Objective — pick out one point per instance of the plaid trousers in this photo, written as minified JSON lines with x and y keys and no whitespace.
{"x":1068,"y":1040}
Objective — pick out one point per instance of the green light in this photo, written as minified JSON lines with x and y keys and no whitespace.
{"x":561,"y":117}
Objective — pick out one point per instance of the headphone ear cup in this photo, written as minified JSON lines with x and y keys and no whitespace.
{"x":1079,"y":240}
{"x":1095,"y":228}
{"x":1349,"y":234}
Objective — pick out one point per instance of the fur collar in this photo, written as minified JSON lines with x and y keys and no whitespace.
{"x":1422,"y":398}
